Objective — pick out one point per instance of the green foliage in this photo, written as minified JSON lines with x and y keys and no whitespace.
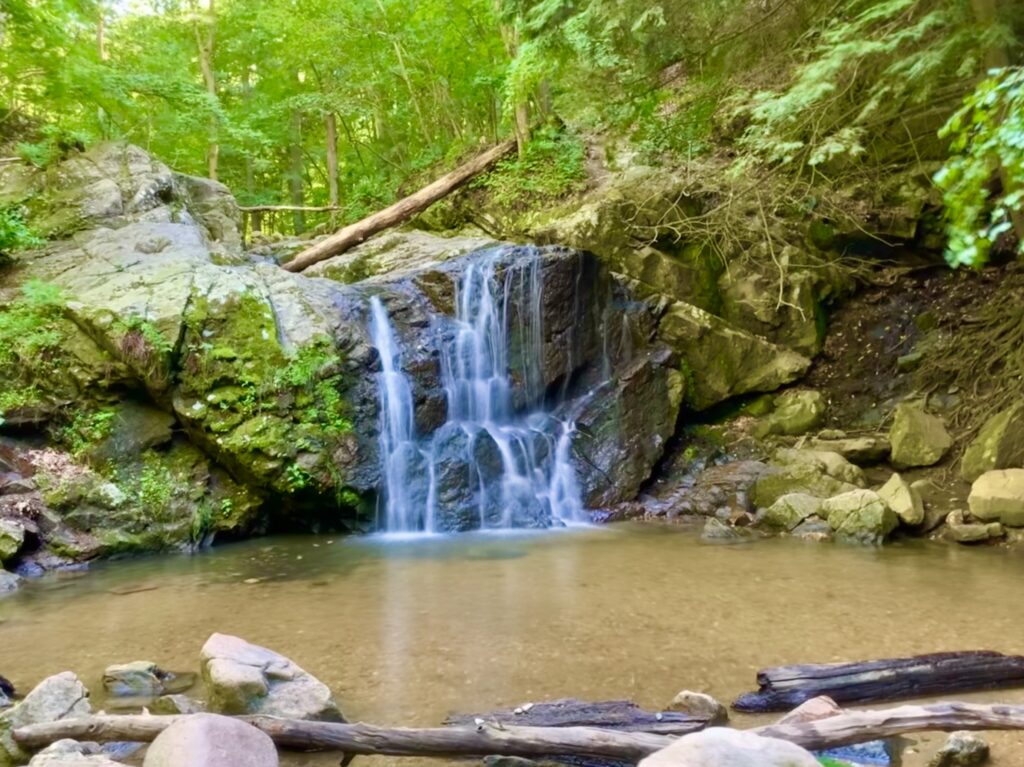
{"x":156,"y":485}
{"x":296,"y":478}
{"x":987,"y":146}
{"x":15,"y":234}
{"x":551,"y":168}
{"x":314,"y":376}
{"x":30,"y":343}
{"x":85,"y":429}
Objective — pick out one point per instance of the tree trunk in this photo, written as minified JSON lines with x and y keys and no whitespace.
{"x":205,"y":43}
{"x":786,"y":687}
{"x":521,"y":110}
{"x":101,"y":30}
{"x":622,"y":715}
{"x":331,"y":129}
{"x":295,"y":171}
{"x":401,"y":211}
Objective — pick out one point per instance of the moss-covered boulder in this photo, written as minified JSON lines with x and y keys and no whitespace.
{"x":797,"y":411}
{"x":917,"y":437}
{"x":806,"y":478}
{"x":999,"y":444}
{"x":860,"y":516}
{"x":903,"y":499}
{"x":790,"y":510}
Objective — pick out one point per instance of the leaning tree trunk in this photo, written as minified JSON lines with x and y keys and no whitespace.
{"x":401,"y":211}
{"x":331,"y":131}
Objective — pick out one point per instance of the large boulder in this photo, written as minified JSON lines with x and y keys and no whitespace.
{"x":209,"y":740}
{"x":999,"y":496}
{"x":243,"y":678}
{"x":724,"y":747}
{"x":903,"y":499}
{"x":721,"y":361}
{"x":57,"y":697}
{"x":860,"y":516}
{"x":790,"y":510}
{"x":811,"y":472}
{"x":797,"y":411}
{"x":999,"y":444}
{"x":863,"y":451}
{"x":71,"y":753}
{"x":12,"y":538}
{"x":918,"y":438}
{"x":962,"y":531}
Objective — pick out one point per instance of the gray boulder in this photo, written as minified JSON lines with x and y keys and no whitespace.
{"x":724,"y":747}
{"x":961,"y":531}
{"x":903,"y":499}
{"x":789,"y":511}
{"x":176,"y":704}
{"x":860,"y":516}
{"x":243,"y":678}
{"x":809,"y":472}
{"x":918,"y":438}
{"x":863,"y":451}
{"x":797,"y":411}
{"x":832,"y":464}
{"x":999,"y":496}
{"x":71,"y":753}
{"x":999,"y":444}
{"x":209,"y":740}
{"x":961,"y":749}
{"x":700,"y":705}
{"x":56,"y":697}
{"x":140,"y":678}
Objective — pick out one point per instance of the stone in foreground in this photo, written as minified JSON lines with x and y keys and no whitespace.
{"x":999,"y":444}
{"x":141,"y":678}
{"x":57,"y":697}
{"x":918,"y":438}
{"x":700,"y":705}
{"x":244,"y":678}
{"x":903,"y":499}
{"x":789,"y":511}
{"x":961,"y":531}
{"x":961,"y":749}
{"x":210,"y":740}
{"x":71,"y":753}
{"x":723,"y":747}
{"x":998,"y":496}
{"x":860,"y":515}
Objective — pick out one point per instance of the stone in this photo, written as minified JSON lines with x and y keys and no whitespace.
{"x":821,"y":707}
{"x":244,"y":678}
{"x":12,"y":483}
{"x":137,"y":679}
{"x":789,"y":511}
{"x":717,"y":531}
{"x":999,"y":496}
{"x":12,"y":538}
{"x":903,"y":499}
{"x":797,"y":411}
{"x":917,"y":438}
{"x":71,"y":753}
{"x":832,"y":464}
{"x":6,"y":693}
{"x":961,"y":749}
{"x":999,"y":444}
{"x":57,"y":697}
{"x":860,"y":516}
{"x":176,"y":704}
{"x":210,"y":740}
{"x":807,"y":476}
{"x":957,"y":529}
{"x":863,"y":451}
{"x":721,"y":361}
{"x":724,"y":747}
{"x":813,"y":529}
{"x":700,"y":705}
{"x":8,"y":582}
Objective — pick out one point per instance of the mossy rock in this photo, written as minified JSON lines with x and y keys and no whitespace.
{"x":999,"y":444}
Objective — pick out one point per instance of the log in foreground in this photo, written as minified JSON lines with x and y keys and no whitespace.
{"x":786,"y":687}
{"x":622,"y":715}
{"x":404,"y":209}
{"x":840,"y":730}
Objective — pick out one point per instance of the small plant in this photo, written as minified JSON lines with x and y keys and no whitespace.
{"x":296,"y":478}
{"x":15,"y":233}
{"x":85,"y":429}
{"x":202,"y":523}
{"x":31,"y":338}
{"x":156,"y":486}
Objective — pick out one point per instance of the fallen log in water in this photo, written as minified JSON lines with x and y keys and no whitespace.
{"x":840,"y":730}
{"x":785,"y":687}
{"x":622,"y":715}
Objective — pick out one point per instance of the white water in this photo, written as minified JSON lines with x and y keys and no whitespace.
{"x":537,"y":483}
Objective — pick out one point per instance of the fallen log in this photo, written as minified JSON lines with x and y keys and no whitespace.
{"x":404,"y":209}
{"x":288,"y":208}
{"x":785,"y":687}
{"x":621,"y":715}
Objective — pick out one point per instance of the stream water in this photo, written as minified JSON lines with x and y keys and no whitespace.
{"x":405,"y":632}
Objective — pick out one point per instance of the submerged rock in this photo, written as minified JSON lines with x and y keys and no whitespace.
{"x":903,"y":499}
{"x":999,"y":444}
{"x":999,"y":496}
{"x":918,"y":438}
{"x":860,"y":516}
{"x":961,"y":749}
{"x":72,"y":753}
{"x":176,"y":704}
{"x":57,"y":697}
{"x":142,"y":679}
{"x":244,"y":678}
{"x":700,"y":705}
{"x":724,"y":747}
{"x":209,"y":740}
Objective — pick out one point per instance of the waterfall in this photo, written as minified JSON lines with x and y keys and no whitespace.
{"x":502,"y":458}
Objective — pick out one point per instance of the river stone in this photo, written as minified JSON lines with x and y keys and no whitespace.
{"x":724,"y":747}
{"x":970,"y":532}
{"x":56,"y":697}
{"x":210,"y":740}
{"x":717,"y":531}
{"x":863,"y":451}
{"x":806,"y":477}
{"x":141,"y":678}
{"x":700,"y":705}
{"x":12,"y":538}
{"x":71,"y":753}
{"x":961,"y":749}
{"x":797,"y":411}
{"x":176,"y":704}
{"x":813,"y":710}
{"x":8,"y":582}
{"x":789,"y":511}
{"x":832,"y":464}
{"x":860,"y":515}
{"x":244,"y":678}
{"x":999,"y":444}
{"x":903,"y":499}
{"x":999,"y":495}
{"x":918,"y":438}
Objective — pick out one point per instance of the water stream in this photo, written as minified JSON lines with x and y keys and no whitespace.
{"x":515,"y":452}
{"x":405,"y":632}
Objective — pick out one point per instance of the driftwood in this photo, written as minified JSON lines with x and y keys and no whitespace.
{"x":621,"y":715}
{"x":404,"y":209}
{"x":840,"y":730}
{"x":786,"y":687}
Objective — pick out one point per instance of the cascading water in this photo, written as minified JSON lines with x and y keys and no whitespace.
{"x":498,"y":439}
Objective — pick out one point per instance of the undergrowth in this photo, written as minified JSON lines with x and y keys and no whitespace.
{"x":551,"y":168}
{"x":15,"y":233}
{"x":30,"y":344}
